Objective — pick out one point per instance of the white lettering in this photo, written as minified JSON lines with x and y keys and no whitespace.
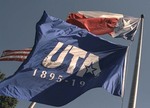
{"x":53,"y":64}
{"x":76,"y":52}
{"x":91,"y":59}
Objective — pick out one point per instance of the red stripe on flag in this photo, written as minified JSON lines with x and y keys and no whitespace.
{"x":98,"y":26}
{"x":13,"y":58}
{"x":15,"y":55}
{"x":8,"y":52}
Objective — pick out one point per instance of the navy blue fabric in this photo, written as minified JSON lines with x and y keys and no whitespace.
{"x":57,"y":87}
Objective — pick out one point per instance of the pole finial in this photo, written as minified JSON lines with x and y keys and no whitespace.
{"x":142,"y":16}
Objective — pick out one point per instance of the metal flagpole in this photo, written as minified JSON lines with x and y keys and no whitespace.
{"x":124,"y":76}
{"x":135,"y":80}
{"x":124,"y":72}
{"x":32,"y":105}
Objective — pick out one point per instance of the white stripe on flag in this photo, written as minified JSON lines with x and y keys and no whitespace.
{"x":15,"y":55}
{"x":13,"y":58}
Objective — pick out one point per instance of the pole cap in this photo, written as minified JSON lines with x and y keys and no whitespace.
{"x":142,"y":16}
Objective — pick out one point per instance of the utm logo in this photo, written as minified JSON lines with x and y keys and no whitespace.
{"x":77,"y":53}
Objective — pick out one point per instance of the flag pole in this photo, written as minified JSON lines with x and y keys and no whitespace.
{"x":124,"y":72}
{"x":135,"y":80}
{"x":32,"y":105}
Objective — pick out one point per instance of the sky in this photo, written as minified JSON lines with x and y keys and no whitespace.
{"x":17,"y":31}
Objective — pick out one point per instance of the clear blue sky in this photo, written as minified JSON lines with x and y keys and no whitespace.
{"x":17,"y":31}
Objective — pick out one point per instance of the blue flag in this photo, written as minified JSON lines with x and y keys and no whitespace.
{"x":65,"y":62}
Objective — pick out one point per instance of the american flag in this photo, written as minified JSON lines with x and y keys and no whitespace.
{"x":15,"y":55}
